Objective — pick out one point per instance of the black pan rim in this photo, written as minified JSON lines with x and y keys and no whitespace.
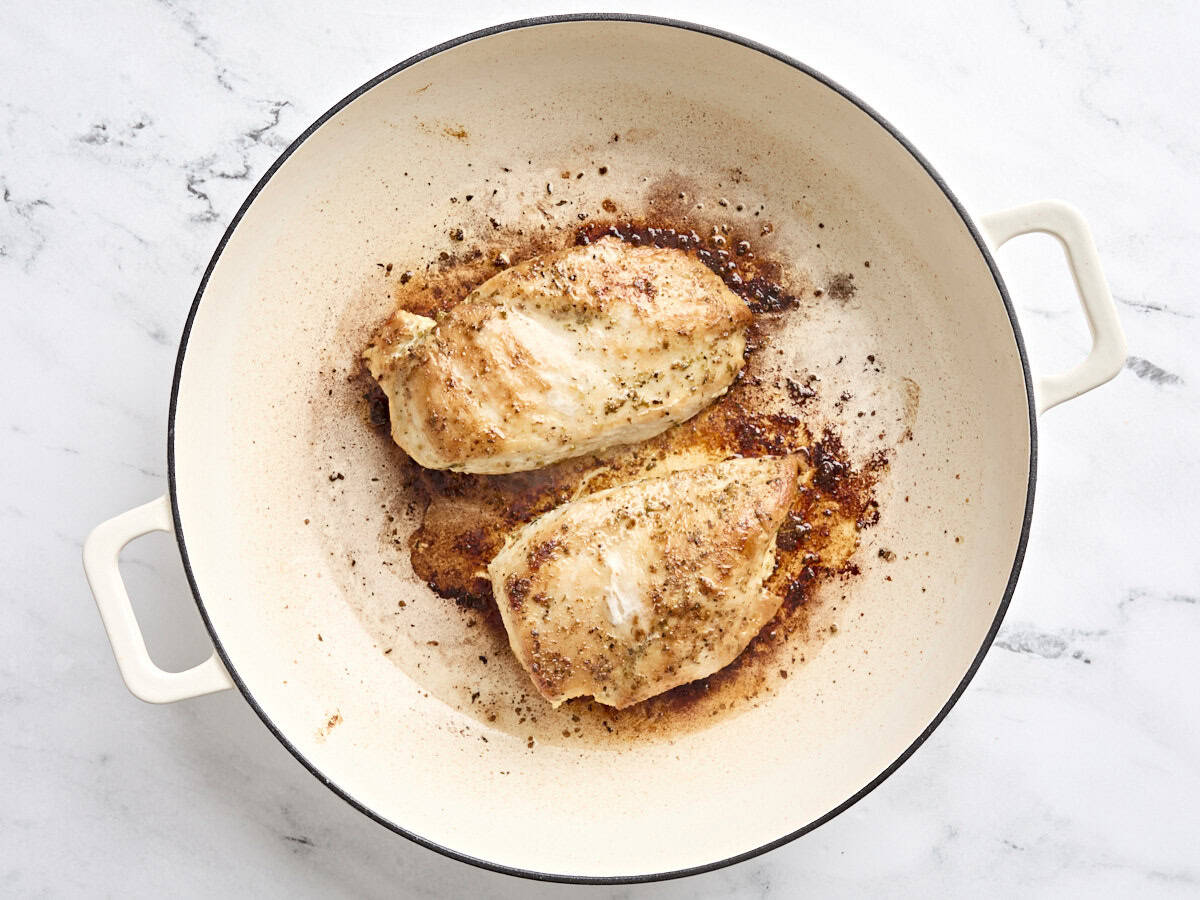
{"x":1018,"y":558}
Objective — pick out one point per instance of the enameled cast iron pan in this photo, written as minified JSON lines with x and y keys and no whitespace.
{"x":292,"y":515}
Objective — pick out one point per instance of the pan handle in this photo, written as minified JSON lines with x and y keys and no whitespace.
{"x":143,"y":678}
{"x":1107,"y":355}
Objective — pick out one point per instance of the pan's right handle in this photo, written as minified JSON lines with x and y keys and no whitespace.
{"x":1107,"y":355}
{"x":144,"y":679}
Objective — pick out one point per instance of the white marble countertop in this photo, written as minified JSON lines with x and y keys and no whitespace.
{"x":130,"y":133}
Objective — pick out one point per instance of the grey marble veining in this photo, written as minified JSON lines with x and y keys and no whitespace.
{"x":129,"y":135}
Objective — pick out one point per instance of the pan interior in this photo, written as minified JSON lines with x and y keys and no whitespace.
{"x":293,"y":543}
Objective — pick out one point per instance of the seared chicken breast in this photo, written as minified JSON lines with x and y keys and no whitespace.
{"x":563,"y":355}
{"x":631,"y":591}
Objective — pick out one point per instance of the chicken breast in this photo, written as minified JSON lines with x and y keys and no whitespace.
{"x":633,"y":590}
{"x":563,"y":355}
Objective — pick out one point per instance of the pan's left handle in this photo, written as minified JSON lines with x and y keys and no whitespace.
{"x":143,"y":678}
{"x":1107,"y":355}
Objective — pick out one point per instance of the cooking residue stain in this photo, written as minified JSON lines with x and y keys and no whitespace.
{"x":330,"y":724}
{"x":463,"y":519}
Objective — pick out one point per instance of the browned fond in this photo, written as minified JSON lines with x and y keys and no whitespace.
{"x":465,"y":518}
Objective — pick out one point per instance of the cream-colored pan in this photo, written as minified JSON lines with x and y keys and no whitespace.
{"x":292,"y":521}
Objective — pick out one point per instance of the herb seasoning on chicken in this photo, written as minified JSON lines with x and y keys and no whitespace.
{"x":634,"y":590}
{"x":560,"y":356}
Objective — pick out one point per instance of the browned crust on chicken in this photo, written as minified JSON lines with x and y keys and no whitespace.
{"x":562,"y":355}
{"x":634,"y":590}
